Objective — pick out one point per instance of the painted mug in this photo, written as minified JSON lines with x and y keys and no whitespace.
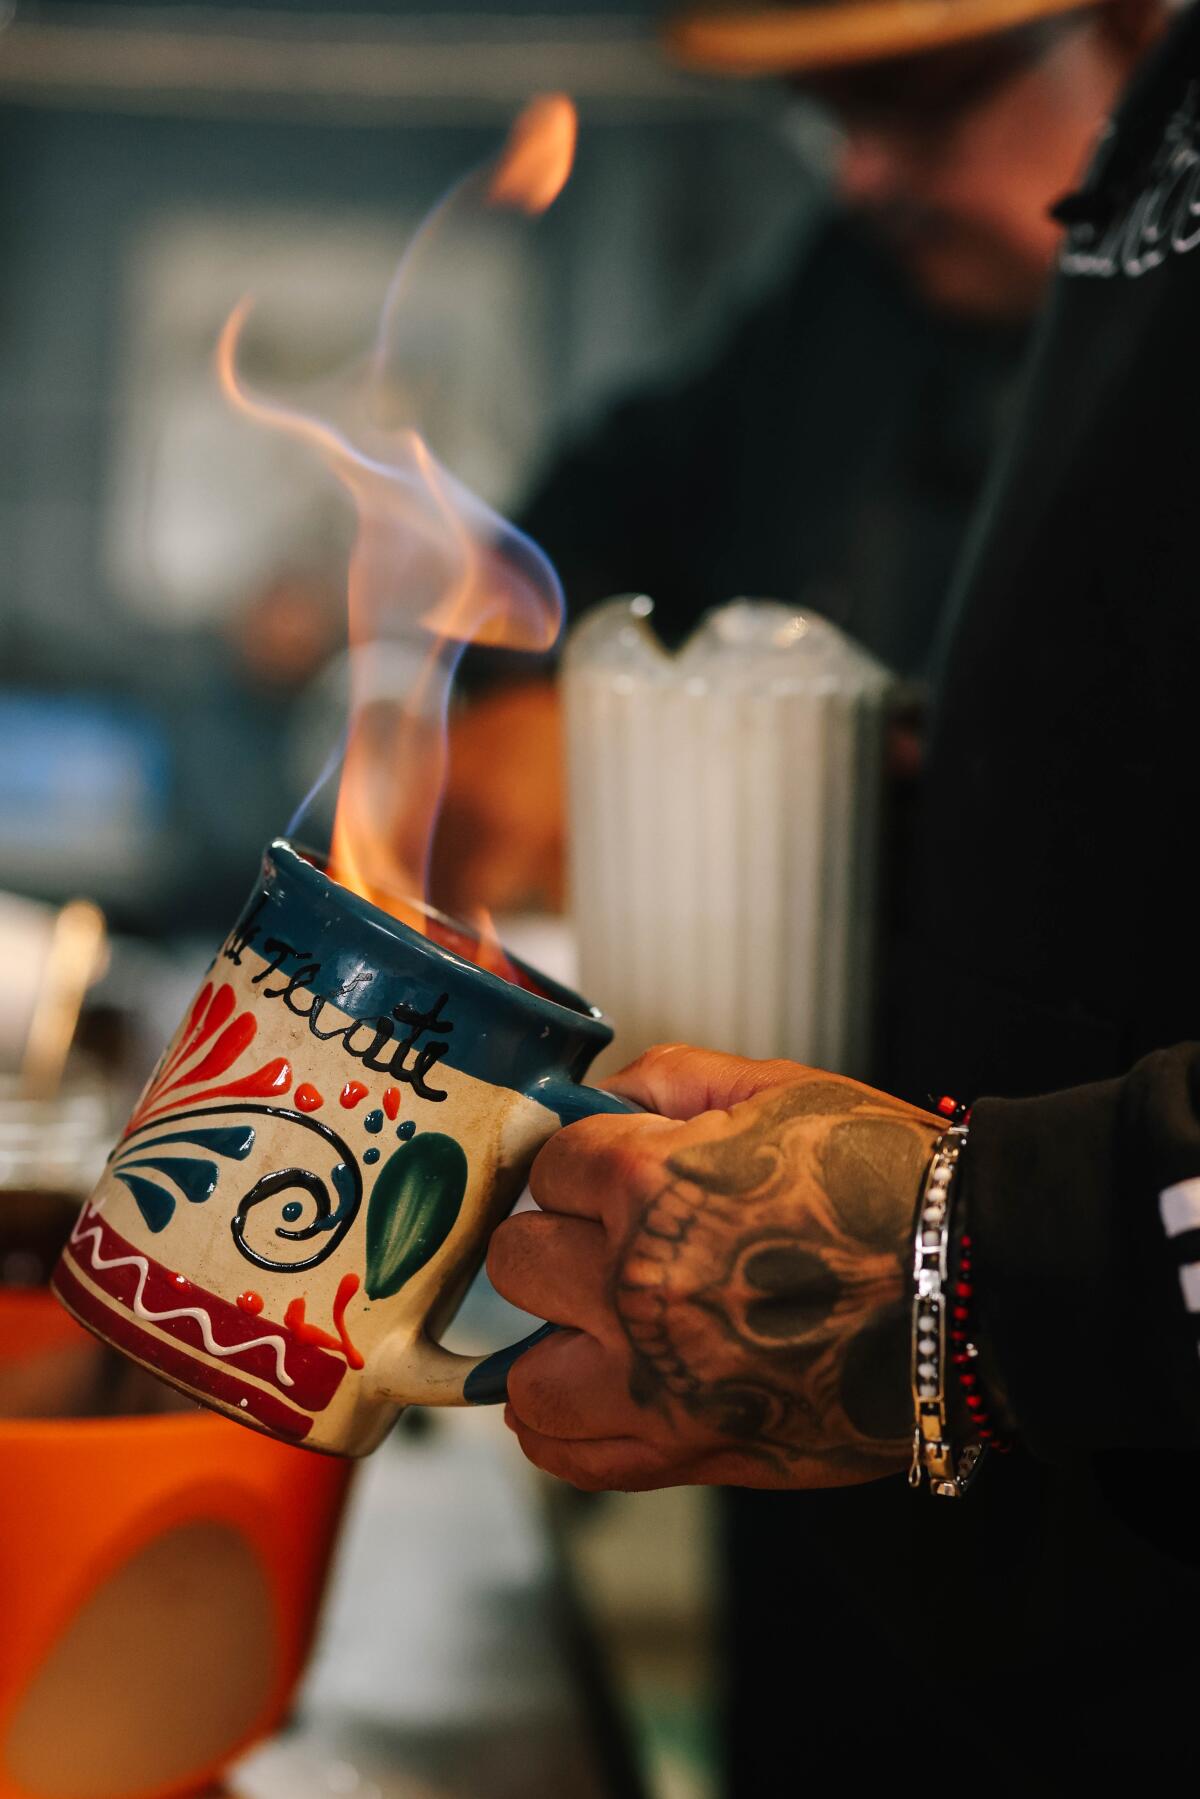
{"x":309,"y":1180}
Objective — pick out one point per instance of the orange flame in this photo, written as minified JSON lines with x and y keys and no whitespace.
{"x":480,"y":943}
{"x":537,"y":158}
{"x":432,"y":569}
{"x":491,"y":953}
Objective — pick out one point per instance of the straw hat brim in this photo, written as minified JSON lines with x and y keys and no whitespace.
{"x":791,"y":39}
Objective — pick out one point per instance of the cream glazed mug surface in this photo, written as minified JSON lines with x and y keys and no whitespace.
{"x":309,"y":1180}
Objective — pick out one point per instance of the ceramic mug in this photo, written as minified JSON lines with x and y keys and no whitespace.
{"x":309,"y":1180}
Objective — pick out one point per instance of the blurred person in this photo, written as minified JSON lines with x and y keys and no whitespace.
{"x":738,"y":1268}
{"x":285,"y":632}
{"x":831,"y":449}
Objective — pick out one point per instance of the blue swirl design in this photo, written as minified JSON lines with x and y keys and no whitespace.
{"x":331,"y":1200}
{"x":196,"y":1177}
{"x":329,"y":1221}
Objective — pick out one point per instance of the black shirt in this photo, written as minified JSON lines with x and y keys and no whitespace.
{"x":1059,"y":932}
{"x":1047,"y":1620}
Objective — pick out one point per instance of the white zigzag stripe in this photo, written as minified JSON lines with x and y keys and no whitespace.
{"x":79,"y":1235}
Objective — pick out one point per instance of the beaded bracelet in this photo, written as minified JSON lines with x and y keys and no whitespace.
{"x":964,"y":1352}
{"x":950,"y":1471}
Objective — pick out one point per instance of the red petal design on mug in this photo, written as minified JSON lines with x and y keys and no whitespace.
{"x":267,"y":1082}
{"x":220,"y":1009}
{"x":224,"y":1053}
{"x":208,"y":1014}
{"x":197,"y":1012}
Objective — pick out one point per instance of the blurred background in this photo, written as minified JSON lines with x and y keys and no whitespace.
{"x":171,"y":584}
{"x":172,"y":607}
{"x":763,"y":345}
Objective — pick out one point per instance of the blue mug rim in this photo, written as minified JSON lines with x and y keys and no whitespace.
{"x":560,"y":1004}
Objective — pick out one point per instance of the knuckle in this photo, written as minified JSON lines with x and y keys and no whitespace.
{"x":555,"y":1161}
{"x":624,"y":1183}
{"x":520,"y":1390}
{"x":535,"y":1395}
{"x":779,"y":1071}
{"x":614,"y":1178}
{"x":508,"y":1252}
{"x":529,"y":1390}
{"x":535,"y":1449}
{"x":499,"y":1255}
{"x":598,"y":1154}
{"x":585,"y":1480}
{"x":632,"y":1170}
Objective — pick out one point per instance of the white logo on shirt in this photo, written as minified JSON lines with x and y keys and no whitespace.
{"x":1164,"y":219}
{"x":1179,"y":1208}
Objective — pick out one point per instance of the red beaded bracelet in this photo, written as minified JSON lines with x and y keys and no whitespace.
{"x":964,"y":1351}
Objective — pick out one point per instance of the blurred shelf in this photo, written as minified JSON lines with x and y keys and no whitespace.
{"x":352,"y":68}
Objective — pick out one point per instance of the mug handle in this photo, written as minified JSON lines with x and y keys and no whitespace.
{"x":483,"y":1380}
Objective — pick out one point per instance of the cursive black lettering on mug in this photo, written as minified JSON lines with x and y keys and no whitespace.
{"x":243,"y":933}
{"x":277,"y":952}
{"x":405,"y":1044}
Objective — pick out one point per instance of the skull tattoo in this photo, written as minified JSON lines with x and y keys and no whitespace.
{"x":762,"y":1286}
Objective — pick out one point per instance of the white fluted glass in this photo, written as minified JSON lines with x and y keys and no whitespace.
{"x":724,"y":825}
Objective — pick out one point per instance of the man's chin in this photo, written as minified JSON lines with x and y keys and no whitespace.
{"x":973,"y":281}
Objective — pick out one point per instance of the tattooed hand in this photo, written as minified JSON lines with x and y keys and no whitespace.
{"x":733,"y":1273}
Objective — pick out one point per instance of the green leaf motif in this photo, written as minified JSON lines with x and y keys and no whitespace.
{"x":414,"y":1203}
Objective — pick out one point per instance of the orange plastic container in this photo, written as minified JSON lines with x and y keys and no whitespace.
{"x":159,"y":1583}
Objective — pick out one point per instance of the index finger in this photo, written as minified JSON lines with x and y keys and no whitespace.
{"x":678,"y":1080}
{"x":586,"y":1166}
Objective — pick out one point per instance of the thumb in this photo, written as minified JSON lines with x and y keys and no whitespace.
{"x":677,"y":1081}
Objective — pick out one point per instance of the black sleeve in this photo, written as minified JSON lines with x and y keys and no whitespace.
{"x":1084,"y":1211}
